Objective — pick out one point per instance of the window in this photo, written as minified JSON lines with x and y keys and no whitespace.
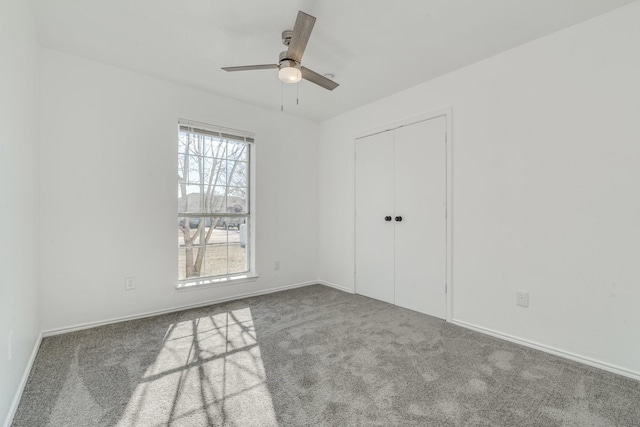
{"x":214,"y":213}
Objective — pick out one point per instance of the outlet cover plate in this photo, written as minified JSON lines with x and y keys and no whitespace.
{"x":129,"y":283}
{"x":522,"y":298}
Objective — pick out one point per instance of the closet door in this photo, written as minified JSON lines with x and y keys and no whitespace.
{"x":420,"y":199}
{"x":374,"y":201}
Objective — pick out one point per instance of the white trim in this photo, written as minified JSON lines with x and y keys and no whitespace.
{"x":23,"y":382}
{"x":182,"y":286}
{"x":338,"y":287}
{"x":447,"y":113}
{"x":551,"y":350}
{"x":404,"y":122}
{"x":88,"y":325}
{"x":216,"y":128}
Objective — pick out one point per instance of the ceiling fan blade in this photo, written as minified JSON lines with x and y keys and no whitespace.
{"x":300,"y":37}
{"x":316,"y":78}
{"x":251,"y":67}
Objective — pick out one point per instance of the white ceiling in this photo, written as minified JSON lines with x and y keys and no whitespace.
{"x":373,"y":47}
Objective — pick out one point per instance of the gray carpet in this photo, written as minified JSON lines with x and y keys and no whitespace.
{"x":311,"y":357}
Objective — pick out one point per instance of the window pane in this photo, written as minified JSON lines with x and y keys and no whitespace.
{"x":237,"y":174}
{"x":188,"y":268}
{"x":189,"y":145}
{"x":182,"y":177}
{"x":182,"y":269}
{"x":215,"y":200}
{"x":237,"y":245}
{"x":237,"y":258}
{"x":215,"y":263}
{"x":193,"y":234}
{"x":182,"y":142}
{"x":237,"y":200}
{"x":184,"y":232}
{"x":214,"y":171}
{"x":210,"y":203}
{"x":193,"y":231}
{"x":191,"y":202}
{"x":195,"y":145}
{"x":226,"y":251}
{"x":234,"y":223}
{"x":214,"y":147}
{"x":238,"y":151}
{"x":195,"y":170}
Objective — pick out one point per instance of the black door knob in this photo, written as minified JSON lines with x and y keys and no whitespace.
{"x":398,"y":218}
{"x":387,"y":218}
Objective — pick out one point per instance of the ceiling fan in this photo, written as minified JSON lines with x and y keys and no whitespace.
{"x":290,"y":69}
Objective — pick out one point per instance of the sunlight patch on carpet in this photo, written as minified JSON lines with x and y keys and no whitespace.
{"x":209,"y":371}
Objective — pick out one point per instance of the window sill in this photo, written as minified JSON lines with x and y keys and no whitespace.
{"x":215,"y":283}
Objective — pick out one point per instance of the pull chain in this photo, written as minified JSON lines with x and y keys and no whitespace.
{"x":281,"y":96}
{"x":297,"y":93}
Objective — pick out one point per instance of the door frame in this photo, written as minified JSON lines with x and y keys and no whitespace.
{"x":447,"y":113}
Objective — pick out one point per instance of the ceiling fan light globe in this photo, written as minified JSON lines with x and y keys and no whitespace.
{"x":289,"y":75}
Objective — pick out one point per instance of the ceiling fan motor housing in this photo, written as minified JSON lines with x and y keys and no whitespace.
{"x":287,"y":62}
{"x":286,"y":37}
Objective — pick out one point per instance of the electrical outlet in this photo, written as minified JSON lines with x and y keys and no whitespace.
{"x":276,"y":265}
{"x":129,"y":283}
{"x":10,"y":346}
{"x":522,"y":298}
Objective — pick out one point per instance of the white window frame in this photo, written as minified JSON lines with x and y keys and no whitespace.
{"x":232,"y":278}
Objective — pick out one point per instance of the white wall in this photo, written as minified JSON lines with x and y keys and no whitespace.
{"x":109,"y":191}
{"x":19,"y":318}
{"x":546,"y":170}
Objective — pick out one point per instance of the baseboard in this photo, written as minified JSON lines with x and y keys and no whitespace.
{"x":338,"y":287}
{"x":551,"y":350}
{"x":23,"y":382}
{"x":89,"y":325}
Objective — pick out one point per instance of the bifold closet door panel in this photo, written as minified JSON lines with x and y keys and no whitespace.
{"x":374,"y":201}
{"x":420,"y":198}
